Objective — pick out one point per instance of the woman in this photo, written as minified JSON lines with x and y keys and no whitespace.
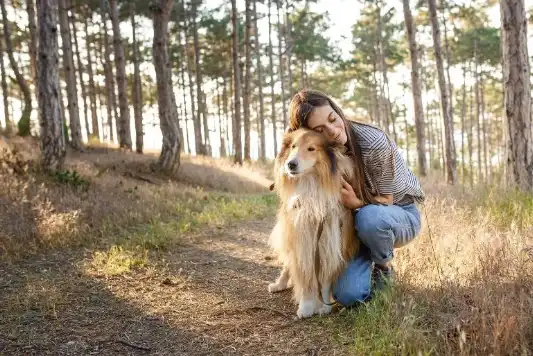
{"x":383,"y":194}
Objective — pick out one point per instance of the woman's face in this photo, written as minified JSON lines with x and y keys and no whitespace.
{"x":325,"y":120}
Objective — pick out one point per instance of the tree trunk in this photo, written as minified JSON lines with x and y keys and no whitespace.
{"x":136,"y":91}
{"x":72,"y":89}
{"x":199,"y":83}
{"x":32,"y":25}
{"x":280,"y":67}
{"x":417,"y":93}
{"x":517,"y":89}
{"x":226,"y":113}
{"x":247,"y":78}
{"x":111,"y":97}
{"x":195,"y":119}
{"x":80,"y":69}
{"x":448,"y":58}
{"x":222,"y":148}
{"x":451,"y":173}
{"x":5,"y":94}
{"x":169,"y":160}
{"x":471,"y":134}
{"x":183,"y":54}
{"x":463,"y":128}
{"x":24,"y":123}
{"x":478,"y":113}
{"x":288,"y":45}
{"x":271,"y":68}
{"x":123,"y":125}
{"x":262,"y":134}
{"x":52,"y":138}
{"x":95,"y":132}
{"x":483,"y":127}
{"x":237,"y":89}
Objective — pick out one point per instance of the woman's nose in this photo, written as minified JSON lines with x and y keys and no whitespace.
{"x":330,"y":130}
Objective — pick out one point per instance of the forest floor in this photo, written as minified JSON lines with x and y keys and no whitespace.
{"x":110,"y":258}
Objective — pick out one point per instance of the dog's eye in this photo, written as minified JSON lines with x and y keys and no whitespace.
{"x":311,"y":149}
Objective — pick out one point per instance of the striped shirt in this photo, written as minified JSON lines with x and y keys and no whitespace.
{"x":385,"y":170}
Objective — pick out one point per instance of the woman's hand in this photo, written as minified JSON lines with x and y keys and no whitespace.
{"x":349,"y":199}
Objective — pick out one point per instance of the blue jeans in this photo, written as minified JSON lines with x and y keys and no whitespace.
{"x":380,"y":229}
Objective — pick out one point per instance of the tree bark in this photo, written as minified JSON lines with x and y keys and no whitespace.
{"x":262,"y":137}
{"x":237,"y":90}
{"x":136,"y":91}
{"x":95,"y":131}
{"x":169,"y":160}
{"x":52,"y":138}
{"x":80,"y":69}
{"x":463,"y":128}
{"x":222,"y":147}
{"x":183,"y":54}
{"x":288,"y":45}
{"x":271,"y":67}
{"x":478,"y":112}
{"x":202,"y":110}
{"x":123,"y":125}
{"x":470,"y":135}
{"x":517,"y":90}
{"x":111,"y":97}
{"x":417,"y":92}
{"x":451,"y":174}
{"x":5,"y":94}
{"x":32,"y":25}
{"x":247,"y":78}
{"x":24,"y":122}
{"x":72,"y":88}
{"x":280,"y":67}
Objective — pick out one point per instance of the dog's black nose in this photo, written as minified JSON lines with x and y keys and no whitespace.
{"x":292,"y":165}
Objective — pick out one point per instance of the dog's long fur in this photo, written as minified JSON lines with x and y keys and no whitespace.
{"x":307,"y":198}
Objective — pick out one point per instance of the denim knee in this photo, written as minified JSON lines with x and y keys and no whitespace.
{"x":354,"y":284}
{"x":374,"y":230}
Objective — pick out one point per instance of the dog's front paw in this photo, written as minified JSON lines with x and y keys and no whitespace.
{"x":276,"y":287}
{"x":306,"y":309}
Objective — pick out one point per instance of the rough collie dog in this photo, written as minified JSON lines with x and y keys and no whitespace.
{"x":314,"y":235}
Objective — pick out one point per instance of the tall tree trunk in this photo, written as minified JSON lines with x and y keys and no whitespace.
{"x":463,"y":128}
{"x":199,"y":82}
{"x":376,"y":91}
{"x":24,"y":122}
{"x":478,"y":113}
{"x":247,"y":78}
{"x":5,"y":94}
{"x":32,"y":25}
{"x":470,"y":134}
{"x":280,"y":67}
{"x":448,"y":56}
{"x":383,"y":100}
{"x":183,"y":54}
{"x":169,"y":160}
{"x":111,"y":97}
{"x":226,"y":113}
{"x":197,"y":124}
{"x":95,"y":131}
{"x":80,"y":68}
{"x":451,"y":173}
{"x":136,"y":90}
{"x":123,"y":125}
{"x":517,"y":89}
{"x":417,"y":92}
{"x":288,"y":45}
{"x":237,"y":89}
{"x":52,"y":138}
{"x":483,"y":127}
{"x":262,"y":133}
{"x":271,"y":68}
{"x":72,"y":89}
{"x":222,"y":147}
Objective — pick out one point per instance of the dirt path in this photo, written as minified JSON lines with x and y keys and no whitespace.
{"x":206,"y":296}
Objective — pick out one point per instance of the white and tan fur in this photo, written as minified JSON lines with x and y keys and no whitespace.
{"x":307,"y":195}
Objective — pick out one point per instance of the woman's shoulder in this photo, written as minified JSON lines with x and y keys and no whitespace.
{"x":370,"y":136}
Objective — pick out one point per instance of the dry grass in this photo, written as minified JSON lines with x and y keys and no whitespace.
{"x":119,"y":246}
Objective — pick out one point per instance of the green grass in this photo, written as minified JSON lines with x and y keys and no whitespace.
{"x":508,"y":208}
{"x":132,"y":247}
{"x":390,"y":324}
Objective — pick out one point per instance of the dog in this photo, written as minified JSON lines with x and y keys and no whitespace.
{"x":314,"y":235}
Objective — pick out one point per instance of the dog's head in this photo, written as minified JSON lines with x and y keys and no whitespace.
{"x":305,"y":151}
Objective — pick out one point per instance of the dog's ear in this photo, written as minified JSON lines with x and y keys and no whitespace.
{"x":332,"y":159}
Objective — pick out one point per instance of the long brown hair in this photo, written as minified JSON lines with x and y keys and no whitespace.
{"x":302,"y":104}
